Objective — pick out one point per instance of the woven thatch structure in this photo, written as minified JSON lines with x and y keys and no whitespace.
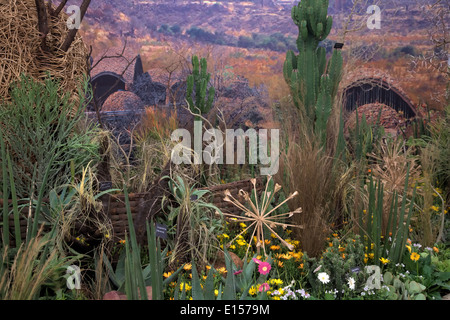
{"x":112,"y":70}
{"x":366,"y":86}
{"x":142,"y":206}
{"x":394,"y":122}
{"x":117,"y":60}
{"x":21,"y":51}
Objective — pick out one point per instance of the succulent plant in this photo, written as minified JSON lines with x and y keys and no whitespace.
{"x":197,"y":86}
{"x":399,"y":290}
{"x":312,"y":79}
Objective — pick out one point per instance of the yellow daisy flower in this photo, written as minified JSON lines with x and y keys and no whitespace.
{"x":414,"y":256}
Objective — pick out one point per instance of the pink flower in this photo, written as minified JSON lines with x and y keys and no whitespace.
{"x":237,"y":272}
{"x":264,"y":287}
{"x":263,"y":267}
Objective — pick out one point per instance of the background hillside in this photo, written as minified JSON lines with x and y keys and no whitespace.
{"x":251,"y":37}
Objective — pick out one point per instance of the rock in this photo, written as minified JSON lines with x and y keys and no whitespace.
{"x":220,"y":261}
{"x":239,"y":89}
{"x":150,"y":92}
{"x":138,"y":68}
{"x":116,"y":295}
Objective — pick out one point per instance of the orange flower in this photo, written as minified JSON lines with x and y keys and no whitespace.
{"x":414,"y":256}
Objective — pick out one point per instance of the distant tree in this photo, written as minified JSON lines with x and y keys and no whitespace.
{"x":245,"y":42}
{"x":164,"y":29}
{"x":405,"y":51}
{"x":175,"y":29}
{"x":203,"y":35}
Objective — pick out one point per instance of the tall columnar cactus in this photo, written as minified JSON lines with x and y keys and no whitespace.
{"x":312,"y":79}
{"x":199,"y":80}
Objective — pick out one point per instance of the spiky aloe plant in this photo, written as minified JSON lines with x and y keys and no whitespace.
{"x":398,"y":221}
{"x":313,"y":80}
{"x":134,"y":279}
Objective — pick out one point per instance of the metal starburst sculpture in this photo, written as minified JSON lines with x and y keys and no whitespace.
{"x":259,"y":214}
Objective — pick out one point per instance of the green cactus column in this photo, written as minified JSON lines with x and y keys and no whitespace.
{"x":313,"y":80}
{"x":199,"y":80}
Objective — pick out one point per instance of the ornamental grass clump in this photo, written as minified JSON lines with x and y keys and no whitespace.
{"x":35,"y":265}
{"x":398,"y":169}
{"x":152,"y":147}
{"x":194,"y":223}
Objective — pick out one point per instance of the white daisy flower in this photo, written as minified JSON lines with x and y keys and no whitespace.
{"x":323,"y":277}
{"x":351,"y":283}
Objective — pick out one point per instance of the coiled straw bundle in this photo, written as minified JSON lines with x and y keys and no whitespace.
{"x":21,"y":52}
